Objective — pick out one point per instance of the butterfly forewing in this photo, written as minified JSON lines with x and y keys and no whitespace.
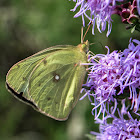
{"x":55,"y":84}
{"x":17,"y":79}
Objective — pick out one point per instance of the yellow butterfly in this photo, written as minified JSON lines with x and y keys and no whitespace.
{"x":50,"y":80}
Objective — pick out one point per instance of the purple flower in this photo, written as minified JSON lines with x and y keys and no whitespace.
{"x":131,"y":72}
{"x":138,"y":6}
{"x":97,"y":11}
{"x":103,"y":81}
{"x":112,"y":75}
{"x":120,"y":129}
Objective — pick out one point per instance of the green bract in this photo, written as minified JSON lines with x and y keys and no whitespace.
{"x":50,"y":80}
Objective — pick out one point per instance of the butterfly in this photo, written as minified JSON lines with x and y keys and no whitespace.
{"x":50,"y":80}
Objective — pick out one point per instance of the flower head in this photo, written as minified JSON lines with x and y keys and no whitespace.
{"x":131,"y":72}
{"x":120,"y":129}
{"x":114,"y":74}
{"x":103,"y":80}
{"x":100,"y":12}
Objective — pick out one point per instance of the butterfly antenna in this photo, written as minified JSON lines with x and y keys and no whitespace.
{"x":82,"y":34}
{"x":91,"y":43}
{"x":86,"y":32}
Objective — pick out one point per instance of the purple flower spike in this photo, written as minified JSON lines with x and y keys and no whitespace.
{"x":100,"y":12}
{"x":120,"y":129}
{"x":113,"y":75}
{"x":131,"y":74}
{"x":103,"y":81}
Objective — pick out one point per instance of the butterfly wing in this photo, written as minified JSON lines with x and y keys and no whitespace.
{"x":55,"y":83}
{"x":17,"y":79}
{"x":50,"y":80}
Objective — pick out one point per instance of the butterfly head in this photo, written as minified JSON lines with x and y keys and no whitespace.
{"x":84,"y":46}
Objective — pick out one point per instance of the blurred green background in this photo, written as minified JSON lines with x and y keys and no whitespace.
{"x":27,"y":27}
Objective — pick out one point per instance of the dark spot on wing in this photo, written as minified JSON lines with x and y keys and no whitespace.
{"x":48,"y":98}
{"x":45,"y":62}
{"x":39,"y":84}
{"x":18,"y":66}
{"x":24,"y":79}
